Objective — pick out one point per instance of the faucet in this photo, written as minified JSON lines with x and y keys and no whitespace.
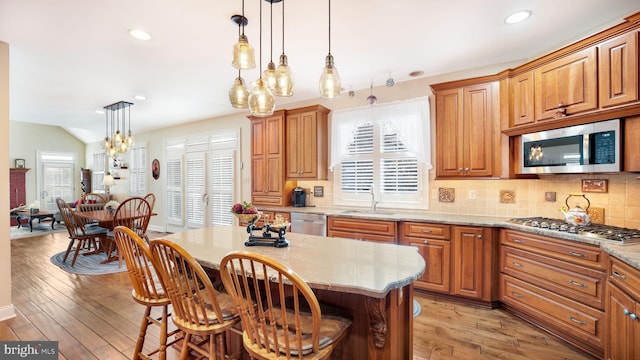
{"x":374,"y":202}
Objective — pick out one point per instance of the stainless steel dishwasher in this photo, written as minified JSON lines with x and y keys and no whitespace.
{"x":312,"y":224}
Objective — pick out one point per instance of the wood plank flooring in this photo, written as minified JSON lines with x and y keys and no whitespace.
{"x":94,"y":317}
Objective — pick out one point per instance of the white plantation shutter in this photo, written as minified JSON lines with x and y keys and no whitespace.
{"x":221,"y":181}
{"x":195,"y":189}
{"x":97,"y":175}
{"x":173,"y":171}
{"x":380,"y":150}
{"x":137,"y":171}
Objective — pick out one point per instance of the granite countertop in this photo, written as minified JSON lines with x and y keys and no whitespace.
{"x":629,"y":253}
{"x":337,"y":264}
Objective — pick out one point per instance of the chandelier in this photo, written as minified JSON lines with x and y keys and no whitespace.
{"x":117,"y":116}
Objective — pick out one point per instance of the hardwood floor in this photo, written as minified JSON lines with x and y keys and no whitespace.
{"x":94,"y":317}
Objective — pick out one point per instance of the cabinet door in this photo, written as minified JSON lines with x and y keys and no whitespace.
{"x":437,"y":255}
{"x":267,"y":161}
{"x":449,"y":133}
{"x":570,"y":81}
{"x":522,"y":90}
{"x":478,"y":129}
{"x":302,"y":145}
{"x":622,"y":332}
{"x":618,"y":70}
{"x":468,"y":261}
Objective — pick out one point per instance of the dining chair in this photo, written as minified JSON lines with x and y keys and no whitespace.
{"x":79,"y":235}
{"x":135,"y":214}
{"x":92,"y":198}
{"x":151,"y":199}
{"x":147,"y":290}
{"x":199,"y":310}
{"x":281,"y":316}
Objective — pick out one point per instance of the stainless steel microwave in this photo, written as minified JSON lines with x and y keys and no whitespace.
{"x":588,"y":148}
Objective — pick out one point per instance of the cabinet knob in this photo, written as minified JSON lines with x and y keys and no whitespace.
{"x":466,"y":169}
{"x":633,"y":317}
{"x":480,"y":236}
{"x":426,"y":242}
{"x":626,"y":312}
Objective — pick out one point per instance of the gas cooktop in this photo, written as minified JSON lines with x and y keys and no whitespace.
{"x":623,"y":235}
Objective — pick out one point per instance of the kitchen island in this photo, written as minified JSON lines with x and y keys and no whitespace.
{"x":371,"y":281}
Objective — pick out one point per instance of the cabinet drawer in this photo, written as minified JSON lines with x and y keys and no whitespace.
{"x":573,"y":252}
{"x":624,"y":276}
{"x":361,"y":236}
{"x":362,"y":226}
{"x":573,"y":281}
{"x":571,"y":318}
{"x":425,"y":230}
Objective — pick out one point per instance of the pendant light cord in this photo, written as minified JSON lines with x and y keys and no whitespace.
{"x":329,"y":27}
{"x":260,"y":39}
{"x":242,"y":20}
{"x":271,"y":9}
{"x":283,"y":26}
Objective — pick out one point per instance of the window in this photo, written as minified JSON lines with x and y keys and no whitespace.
{"x":98,"y":173}
{"x":138,"y":171}
{"x":382,"y":155}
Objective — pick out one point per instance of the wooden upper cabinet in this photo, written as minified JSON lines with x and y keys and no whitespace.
{"x":306,"y":143}
{"x":522,"y":90}
{"x":268,"y":186}
{"x":465,"y":121}
{"x":618,"y":70}
{"x":569,"y":83}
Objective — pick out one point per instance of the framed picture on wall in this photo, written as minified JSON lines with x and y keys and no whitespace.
{"x":155,"y":169}
{"x":20,"y":163}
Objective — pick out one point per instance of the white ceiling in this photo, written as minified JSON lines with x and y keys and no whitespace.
{"x":71,"y":57}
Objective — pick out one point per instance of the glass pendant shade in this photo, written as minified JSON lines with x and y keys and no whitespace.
{"x":284,"y":78}
{"x":330,"y":83}
{"x":244,"y":57}
{"x":261,"y":100}
{"x":112,"y":152}
{"x":269,"y":76}
{"x":238,"y":94}
{"x":129,"y":140}
{"x":107,"y":143}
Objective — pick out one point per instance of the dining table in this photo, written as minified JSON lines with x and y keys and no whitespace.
{"x":105,"y":219}
{"x":371,"y":281}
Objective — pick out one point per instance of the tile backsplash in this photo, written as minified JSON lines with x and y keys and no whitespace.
{"x":621,"y":202}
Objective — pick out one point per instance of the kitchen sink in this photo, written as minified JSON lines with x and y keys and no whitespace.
{"x":368,"y":212}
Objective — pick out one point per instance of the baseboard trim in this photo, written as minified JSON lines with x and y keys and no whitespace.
{"x":7,"y":312}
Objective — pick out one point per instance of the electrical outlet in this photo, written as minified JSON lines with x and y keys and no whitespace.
{"x":472,"y":194}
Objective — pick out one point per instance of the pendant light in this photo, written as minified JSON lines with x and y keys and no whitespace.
{"x":243,"y":54}
{"x":116,"y":119}
{"x":261,"y":101}
{"x":330,"y":83}
{"x":372,"y":99}
{"x":284,"y":77}
{"x":269,"y":74}
{"x":238,"y":94}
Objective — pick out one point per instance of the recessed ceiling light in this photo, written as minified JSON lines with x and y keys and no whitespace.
{"x":140,"y":97}
{"x":518,"y":16}
{"x":140,"y":34}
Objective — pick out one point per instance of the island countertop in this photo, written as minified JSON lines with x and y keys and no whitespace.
{"x":343,"y":265}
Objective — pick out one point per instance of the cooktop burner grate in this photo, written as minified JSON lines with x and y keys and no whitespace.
{"x":623,"y":235}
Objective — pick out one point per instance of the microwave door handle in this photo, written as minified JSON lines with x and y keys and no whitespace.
{"x":586,"y":149}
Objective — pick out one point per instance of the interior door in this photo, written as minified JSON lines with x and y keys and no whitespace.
{"x":57,"y":181}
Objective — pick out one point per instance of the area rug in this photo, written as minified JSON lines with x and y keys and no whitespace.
{"x":87,"y":264}
{"x":38,"y":230}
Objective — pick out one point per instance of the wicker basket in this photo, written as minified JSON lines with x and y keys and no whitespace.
{"x":248,"y":218}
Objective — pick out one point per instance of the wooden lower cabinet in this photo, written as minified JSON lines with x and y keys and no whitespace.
{"x":433,"y":243}
{"x":623,"y":311}
{"x":557,"y":285}
{"x":460,"y":260}
{"x":362,"y":229}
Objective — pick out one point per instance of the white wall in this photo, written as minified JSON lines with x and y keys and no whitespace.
{"x":6,"y":307}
